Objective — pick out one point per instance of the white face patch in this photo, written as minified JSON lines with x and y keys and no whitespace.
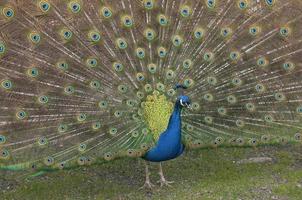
{"x":181,"y":103}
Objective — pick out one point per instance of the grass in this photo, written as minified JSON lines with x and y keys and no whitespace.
{"x":198,"y":174}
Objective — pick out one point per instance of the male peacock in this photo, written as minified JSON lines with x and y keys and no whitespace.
{"x":86,"y":80}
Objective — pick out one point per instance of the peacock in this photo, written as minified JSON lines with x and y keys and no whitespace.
{"x":85,"y":82}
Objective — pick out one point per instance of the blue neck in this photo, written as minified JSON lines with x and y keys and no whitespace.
{"x":175,"y":119}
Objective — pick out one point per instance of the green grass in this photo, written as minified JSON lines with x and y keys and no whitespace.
{"x":198,"y":174}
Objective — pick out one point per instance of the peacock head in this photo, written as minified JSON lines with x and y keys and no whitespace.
{"x":184,"y":101}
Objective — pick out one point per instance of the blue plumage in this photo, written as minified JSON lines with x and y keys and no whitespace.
{"x":169,"y":145}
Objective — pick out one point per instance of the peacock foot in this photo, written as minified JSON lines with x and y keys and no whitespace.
{"x":163,"y":182}
{"x":147,"y":185}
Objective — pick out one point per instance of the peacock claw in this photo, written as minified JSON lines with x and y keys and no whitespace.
{"x":147,"y":185}
{"x":164,"y":182}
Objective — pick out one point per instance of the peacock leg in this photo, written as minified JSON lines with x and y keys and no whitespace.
{"x":162,"y":180}
{"x":148,"y":183}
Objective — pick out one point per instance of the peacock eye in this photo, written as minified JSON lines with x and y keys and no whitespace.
{"x":4,"y":154}
{"x":242,"y":4}
{"x":225,"y":32}
{"x":43,"y":99}
{"x":118,"y":66}
{"x":260,"y":88}
{"x":62,"y":65}
{"x":188,"y":82}
{"x":254,"y":30}
{"x":240,"y":123}
{"x":279,"y":96}
{"x":148,"y":4}
{"x":33,"y":72}
{"x":42,"y":141}
{"x":8,"y":12}
{"x":21,"y":115}
{"x":221,"y":111}
{"x":234,"y":55}
{"x":140,"y":53}
{"x":262,"y":62}
{"x":74,"y":7}
{"x":187,"y":63}
{"x":135,"y":134}
{"x":231,"y":99}
{"x":162,"y":52}
{"x":81,"y":117}
{"x":185,"y":11}
{"x":103,"y":104}
{"x":123,"y":88}
{"x":66,"y":34}
{"x":94,"y":36}
{"x":7,"y":84}
{"x":106,"y":12}
{"x":208,"y":119}
{"x":212,"y":80}
{"x":48,"y":161}
{"x":208,"y":97}
{"x":82,"y":147}
{"x":2,"y":139}
{"x":69,"y":90}
{"x":211,"y":3}
{"x":299,"y":109}
{"x":96,"y":125}
{"x":268,"y":118}
{"x":149,"y":34}
{"x":148,"y":88}
{"x":298,"y":136}
{"x":162,"y":20}
{"x":44,"y":6}
{"x":140,"y":95}
{"x":127,"y":21}
{"x":34,"y":37}
{"x":195,"y":106}
{"x":91,"y":62}
{"x":2,"y":48}
{"x":95,"y":84}
{"x":270,"y":2}
{"x":140,"y":77}
{"x":284,"y":31}
{"x":113,"y":131}
{"x":62,"y":128}
{"x":81,"y":160}
{"x":170,"y":74}
{"x":208,"y":56}
{"x":177,"y":40}
{"x":121,"y":43}
{"x":198,"y":33}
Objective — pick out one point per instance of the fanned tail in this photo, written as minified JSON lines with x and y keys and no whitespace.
{"x":75,"y":76}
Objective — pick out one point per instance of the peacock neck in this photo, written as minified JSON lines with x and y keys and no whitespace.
{"x":175,"y":119}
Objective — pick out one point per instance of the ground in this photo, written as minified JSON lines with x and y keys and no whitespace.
{"x":204,"y":174}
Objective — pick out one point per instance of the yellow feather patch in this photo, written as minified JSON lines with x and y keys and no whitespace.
{"x":157,"y":111}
